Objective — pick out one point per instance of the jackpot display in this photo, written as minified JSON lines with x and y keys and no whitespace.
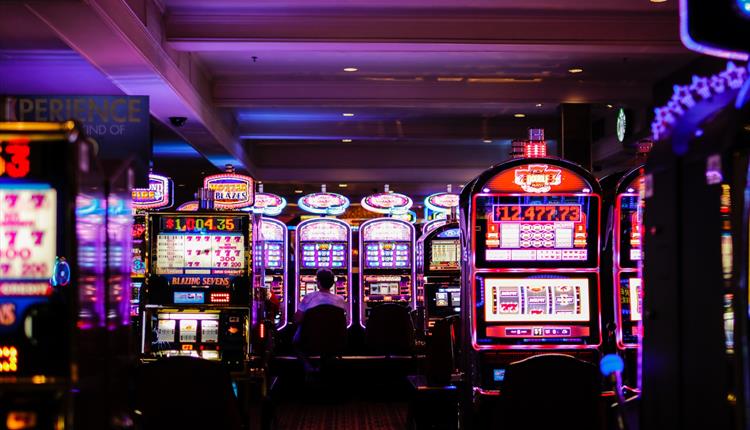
{"x":200,"y":285}
{"x":275,"y":260}
{"x":323,"y":243}
{"x":532,"y":273}
{"x":439,"y":272}
{"x":387,"y":272}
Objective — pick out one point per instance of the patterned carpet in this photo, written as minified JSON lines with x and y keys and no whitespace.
{"x":353,"y":415}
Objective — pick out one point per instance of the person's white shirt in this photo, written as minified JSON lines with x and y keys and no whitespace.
{"x":321,"y":297}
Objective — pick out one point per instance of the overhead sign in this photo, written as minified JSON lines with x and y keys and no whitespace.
{"x":159,"y":193}
{"x":268,"y":204}
{"x":120,"y":124}
{"x":231,"y":190}
{"x":387,"y":203}
{"x":441,"y":202}
{"x":324,"y":203}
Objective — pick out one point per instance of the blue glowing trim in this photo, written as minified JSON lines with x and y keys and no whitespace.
{"x":433,"y":208}
{"x":693,"y":45}
{"x":60,"y":273}
{"x":175,"y":149}
{"x":451,"y":233}
{"x":92,"y":206}
{"x":267,"y":210}
{"x":392,"y":210}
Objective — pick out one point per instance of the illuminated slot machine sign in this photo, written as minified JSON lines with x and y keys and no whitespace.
{"x":386,"y":252}
{"x":530,"y":222}
{"x":203,"y":251}
{"x":323,"y":243}
{"x":274,"y":257}
{"x":628,"y":254}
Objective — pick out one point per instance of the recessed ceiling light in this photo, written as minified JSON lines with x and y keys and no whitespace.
{"x":347,"y":114}
{"x":346,"y":140}
{"x":487,"y":140}
{"x":575,"y":70}
{"x":350,"y":69}
{"x":658,"y":1}
{"x":538,"y":105}
{"x":609,"y":106}
{"x":520,"y":115}
{"x":298,"y":191}
{"x":343,"y":185}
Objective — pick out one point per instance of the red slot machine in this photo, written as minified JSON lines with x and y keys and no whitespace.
{"x":628,"y":282}
{"x":531,"y":277}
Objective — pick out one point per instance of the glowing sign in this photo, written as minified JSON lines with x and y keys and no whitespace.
{"x":14,"y":158}
{"x":190,"y":206}
{"x":232,"y":191}
{"x":537,"y":178}
{"x":441,"y":202}
{"x":387,"y":203}
{"x":8,"y":359}
{"x":203,"y":253}
{"x":324,"y":203}
{"x":28,"y":233}
{"x":535,"y":300}
{"x":268,"y":204}
{"x":323,"y":230}
{"x":159,"y":193}
{"x":272,"y":231}
{"x":385,"y":229}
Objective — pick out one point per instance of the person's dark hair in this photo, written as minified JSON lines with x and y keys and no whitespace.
{"x":325,"y":279}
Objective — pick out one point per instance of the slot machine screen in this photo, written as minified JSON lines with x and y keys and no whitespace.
{"x":200,"y":246}
{"x":387,"y":255}
{"x":513,"y":309}
{"x":274,"y":254}
{"x":315,"y":255}
{"x":630,"y":230}
{"x":444,"y":254}
{"x":447,"y":298}
{"x":521,"y":231}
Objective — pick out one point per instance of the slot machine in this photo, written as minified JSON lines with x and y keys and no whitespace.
{"x":627,"y":253}
{"x":323,"y":243}
{"x":439,"y":273}
{"x":158,"y":195}
{"x":275,"y":261}
{"x":275,"y":252}
{"x":531,"y":274}
{"x":386,"y":265}
{"x":695,"y":271}
{"x":63,"y":279}
{"x":204,"y":276}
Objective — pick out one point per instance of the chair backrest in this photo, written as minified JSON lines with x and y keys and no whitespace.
{"x":186,"y":392}
{"x":440,"y":353}
{"x":390,"y":330}
{"x":551,"y":391}
{"x":323,"y":331}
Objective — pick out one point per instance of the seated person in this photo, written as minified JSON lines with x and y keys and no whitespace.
{"x":325,"y":280}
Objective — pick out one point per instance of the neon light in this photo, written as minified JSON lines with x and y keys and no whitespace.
{"x":190,"y":206}
{"x":693,"y":45}
{"x":537,"y":178}
{"x":687,"y":97}
{"x":8,"y":359}
{"x":159,"y":193}
{"x":441,"y":202}
{"x":232,"y":191}
{"x":324,"y":203}
{"x":387,"y":203}
{"x":268,"y":204}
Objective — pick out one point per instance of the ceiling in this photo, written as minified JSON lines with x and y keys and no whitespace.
{"x":262,"y":83}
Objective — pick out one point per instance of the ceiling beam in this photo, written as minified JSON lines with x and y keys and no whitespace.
{"x":628,"y":33}
{"x":424,"y":94}
{"x":122,"y":39}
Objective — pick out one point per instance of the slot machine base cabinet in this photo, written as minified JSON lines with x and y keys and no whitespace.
{"x":212,"y":334}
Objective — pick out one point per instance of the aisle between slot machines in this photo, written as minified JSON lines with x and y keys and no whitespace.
{"x":530,"y":228}
{"x":63,"y":280}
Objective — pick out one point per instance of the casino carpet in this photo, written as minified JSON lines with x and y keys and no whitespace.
{"x":352,"y":415}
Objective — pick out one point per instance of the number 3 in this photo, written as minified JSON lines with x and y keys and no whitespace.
{"x":19,"y":161}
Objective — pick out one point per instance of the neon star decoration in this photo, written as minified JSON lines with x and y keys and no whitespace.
{"x":687,"y":97}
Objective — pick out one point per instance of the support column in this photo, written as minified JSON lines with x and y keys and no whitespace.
{"x":575,"y":133}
